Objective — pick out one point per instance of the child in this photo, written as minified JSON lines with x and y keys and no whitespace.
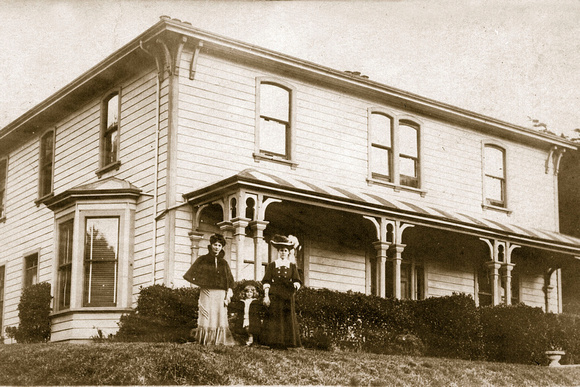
{"x":248,"y":310}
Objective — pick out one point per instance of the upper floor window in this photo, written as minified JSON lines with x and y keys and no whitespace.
{"x":381,"y":149}
{"x":409,"y":153}
{"x":394,"y":153}
{"x":30,"y":270}
{"x":109,"y":147}
{"x":3,"y":176}
{"x":495,"y":176}
{"x":274,"y":116}
{"x":46,"y":164}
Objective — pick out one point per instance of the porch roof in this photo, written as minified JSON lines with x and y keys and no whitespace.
{"x":371,"y":204}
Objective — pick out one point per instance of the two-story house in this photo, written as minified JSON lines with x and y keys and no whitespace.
{"x":116,"y":182}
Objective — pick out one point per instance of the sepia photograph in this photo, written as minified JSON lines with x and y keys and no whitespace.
{"x":306,"y":192}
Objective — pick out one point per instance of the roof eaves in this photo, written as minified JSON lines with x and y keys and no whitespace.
{"x":83,"y":79}
{"x":208,"y":37}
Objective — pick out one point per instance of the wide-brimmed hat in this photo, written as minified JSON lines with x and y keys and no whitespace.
{"x":279,"y":241}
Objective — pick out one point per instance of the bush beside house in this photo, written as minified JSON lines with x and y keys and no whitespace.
{"x":450,"y":326}
{"x":34,"y":314}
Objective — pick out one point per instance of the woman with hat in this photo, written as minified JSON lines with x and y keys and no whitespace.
{"x":281,"y":281}
{"x":212,"y":274}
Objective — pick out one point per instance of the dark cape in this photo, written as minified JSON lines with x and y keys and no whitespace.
{"x":210,"y":272}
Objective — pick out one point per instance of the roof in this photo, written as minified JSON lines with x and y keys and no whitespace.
{"x":132,"y":58}
{"x":368,"y":203}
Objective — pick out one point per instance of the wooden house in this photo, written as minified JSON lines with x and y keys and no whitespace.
{"x":115,"y":183}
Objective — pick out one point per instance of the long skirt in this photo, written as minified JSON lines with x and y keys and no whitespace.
{"x":281,"y":329}
{"x":212,"y":320}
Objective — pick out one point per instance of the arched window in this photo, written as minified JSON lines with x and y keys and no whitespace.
{"x":3,"y":176}
{"x":46,"y":164}
{"x":381,"y":145}
{"x":274,"y":121}
{"x":394,"y":149}
{"x":409,"y":153}
{"x":495,"y":176}
{"x":110,"y":130}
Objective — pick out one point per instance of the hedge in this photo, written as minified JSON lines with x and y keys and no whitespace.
{"x":450,"y":326}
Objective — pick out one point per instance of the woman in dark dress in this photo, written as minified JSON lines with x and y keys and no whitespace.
{"x":212,"y":274}
{"x":281,"y":281}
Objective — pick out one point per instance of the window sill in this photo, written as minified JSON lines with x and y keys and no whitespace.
{"x":261,"y":156}
{"x":496,"y":208}
{"x":104,"y":309}
{"x":113,"y":166}
{"x":396,"y":187}
{"x":44,"y":198}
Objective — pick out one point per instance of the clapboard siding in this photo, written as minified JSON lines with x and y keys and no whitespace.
{"x":445,"y":279}
{"x":331,"y":144}
{"x":27,"y":228}
{"x":336,"y":267}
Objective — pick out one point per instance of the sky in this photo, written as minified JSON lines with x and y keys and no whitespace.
{"x":511,"y":60}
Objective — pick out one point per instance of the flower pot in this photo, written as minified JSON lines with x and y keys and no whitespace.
{"x":554,"y":358}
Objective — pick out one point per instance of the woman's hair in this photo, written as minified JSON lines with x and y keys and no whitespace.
{"x":217,"y":238}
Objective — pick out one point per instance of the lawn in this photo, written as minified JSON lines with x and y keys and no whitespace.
{"x":191,"y":364}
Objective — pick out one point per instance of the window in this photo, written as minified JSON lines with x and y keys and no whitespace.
{"x":412,"y":280}
{"x":46,"y":164}
{"x":381,"y":150}
{"x":394,"y":150}
{"x":3,"y":176}
{"x":101,"y":253}
{"x":274,"y":117}
{"x":409,"y":153}
{"x":30,"y":270}
{"x":495,"y":176}
{"x":484,"y":286}
{"x":2,"y":270}
{"x":110,"y":133}
{"x":95,"y":245}
{"x":65,"y":248}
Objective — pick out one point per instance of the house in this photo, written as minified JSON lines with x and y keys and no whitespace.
{"x":116,"y":182}
{"x":568,"y":190}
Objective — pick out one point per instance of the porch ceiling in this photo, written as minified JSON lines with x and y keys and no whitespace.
{"x":371,"y":204}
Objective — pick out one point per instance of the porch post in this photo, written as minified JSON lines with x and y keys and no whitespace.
{"x":226,"y":229}
{"x":260,"y":246}
{"x":548,"y":288}
{"x":507,"y":280}
{"x":381,"y":248}
{"x":195,"y":238}
{"x":397,"y":258}
{"x":494,"y":271}
{"x":239,"y":225}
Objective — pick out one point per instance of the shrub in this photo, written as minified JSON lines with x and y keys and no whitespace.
{"x":34,"y":314}
{"x":449,"y":326}
{"x":515,"y":334}
{"x":567,"y":336}
{"x":161,"y":314}
{"x":331,"y":319}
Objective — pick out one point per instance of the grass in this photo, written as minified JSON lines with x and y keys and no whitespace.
{"x":191,"y":364}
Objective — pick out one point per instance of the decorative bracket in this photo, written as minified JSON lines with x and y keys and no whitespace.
{"x":193,"y":64}
{"x":555,"y":156}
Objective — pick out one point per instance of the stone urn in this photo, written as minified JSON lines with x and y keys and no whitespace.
{"x":554,"y":357}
